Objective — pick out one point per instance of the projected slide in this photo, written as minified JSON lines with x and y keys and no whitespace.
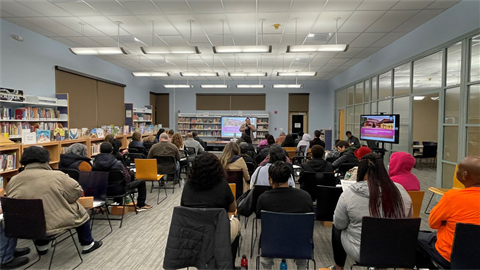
{"x":378,"y":128}
{"x":231,"y":125}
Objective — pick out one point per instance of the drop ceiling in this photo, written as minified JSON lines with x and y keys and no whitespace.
{"x":367,"y":25}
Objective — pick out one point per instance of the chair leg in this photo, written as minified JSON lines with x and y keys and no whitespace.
{"x":257,"y":262}
{"x":123,"y":212}
{"x":78,"y":251}
{"x":151,"y":190}
{"x":426,"y":208}
{"x":54,"y":245}
{"x":158,"y":195}
{"x":109,"y":223}
{"x":254,"y":231}
{"x":39,"y":256}
{"x":134,"y":205}
{"x":314,"y":263}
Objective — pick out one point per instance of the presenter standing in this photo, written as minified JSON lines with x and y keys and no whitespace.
{"x":247,"y":127}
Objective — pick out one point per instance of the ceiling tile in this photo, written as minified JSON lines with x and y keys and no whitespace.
{"x":109,"y":8}
{"x":101,"y":23}
{"x":308,"y":5}
{"x":141,"y":8}
{"x":272,"y":18}
{"x":387,"y":39}
{"x":17,"y":9}
{"x":417,"y":20}
{"x":377,"y":4}
{"x":35,"y":28}
{"x":412,"y":4}
{"x":78,"y":9}
{"x":74,"y":24}
{"x":243,"y":23}
{"x":66,"y":41}
{"x":391,"y":20}
{"x":367,"y":52}
{"x":326,"y":22}
{"x":274,"y":5}
{"x":343,"y":4}
{"x":4,"y":14}
{"x":105,"y":41}
{"x":206,"y":6}
{"x":235,"y":6}
{"x":351,"y":52}
{"x":304,"y":23}
{"x":360,"y":20}
{"x":44,"y":7}
{"x":85,"y":42}
{"x":211,"y":23}
{"x":344,"y":38}
{"x":183,"y":26}
{"x":53,"y":26}
{"x":161,"y":24}
{"x":132,"y":25}
{"x":172,"y":6}
{"x":443,"y":4}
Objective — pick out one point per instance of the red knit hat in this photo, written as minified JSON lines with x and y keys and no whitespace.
{"x":362,"y":151}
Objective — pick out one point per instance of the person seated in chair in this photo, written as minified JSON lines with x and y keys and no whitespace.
{"x":116,"y":146}
{"x":75,"y":158}
{"x":246,"y":154}
{"x":191,"y":142}
{"x":59,"y":194}
{"x":359,"y":153}
{"x":317,"y":164}
{"x":106,"y":161}
{"x":198,"y":139}
{"x":316,"y":139}
{"x":231,"y":160}
{"x":148,"y":142}
{"x":455,"y":206}
{"x":333,"y":154}
{"x":166,"y":148}
{"x":299,"y":138}
{"x":283,"y":199}
{"x":289,"y":141}
{"x":10,"y":256}
{"x":347,"y":154}
{"x":136,"y":142}
{"x":400,"y":168}
{"x":277,"y":153}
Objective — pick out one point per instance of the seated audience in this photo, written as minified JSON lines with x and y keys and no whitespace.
{"x":239,"y":141}
{"x":399,"y":168}
{"x":334,"y":154}
{"x":373,"y":195}
{"x":116,"y":146}
{"x":283,"y":199}
{"x":191,"y":142}
{"x":231,"y":160}
{"x":316,"y":139}
{"x":263,"y":143}
{"x":177,"y":140}
{"x":160,"y":131}
{"x":10,"y":256}
{"x":59,"y":194}
{"x":352,"y":140}
{"x":299,"y":138}
{"x":263,"y":152}
{"x":248,"y":140}
{"x":281,"y":138}
{"x":359,"y":153}
{"x":136,"y":141}
{"x":245,"y":153}
{"x":276,"y":153}
{"x":148,"y":142}
{"x":206,"y":187}
{"x":306,"y":138}
{"x":289,"y":141}
{"x":317,"y":164}
{"x":170,"y":134}
{"x":347,"y":154}
{"x":198,"y":139}
{"x":105,"y":162}
{"x":455,"y":206}
{"x":166,"y":148}
{"x":75,"y":158}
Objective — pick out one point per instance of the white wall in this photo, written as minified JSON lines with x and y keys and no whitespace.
{"x":30,"y":66}
{"x":320,"y":103}
{"x":460,"y":19}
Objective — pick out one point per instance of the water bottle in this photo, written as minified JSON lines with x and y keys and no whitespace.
{"x":127,"y":200}
{"x":283,"y":265}
{"x":244,"y":263}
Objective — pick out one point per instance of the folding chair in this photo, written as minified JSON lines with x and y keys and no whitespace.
{"x":257,"y":191}
{"x":327,"y":199}
{"x":146,"y":170}
{"x":166,"y":165}
{"x":74,"y":174}
{"x":289,"y":236}
{"x":25,"y":219}
{"x":236,"y":177}
{"x":466,"y":247}
{"x":117,"y":188}
{"x":417,"y":199}
{"x":129,"y":159}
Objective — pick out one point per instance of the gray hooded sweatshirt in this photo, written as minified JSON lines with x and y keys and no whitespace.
{"x":351,"y":208}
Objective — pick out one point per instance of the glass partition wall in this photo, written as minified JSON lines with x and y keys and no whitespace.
{"x":449,"y":76}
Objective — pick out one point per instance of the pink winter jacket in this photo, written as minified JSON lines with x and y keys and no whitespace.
{"x":401,"y":164}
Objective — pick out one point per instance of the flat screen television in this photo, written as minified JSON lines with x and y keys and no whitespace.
{"x":231,"y":125}
{"x":380,"y":128}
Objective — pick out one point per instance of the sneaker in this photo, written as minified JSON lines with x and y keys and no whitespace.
{"x":96,"y":245}
{"x":21,"y":252}
{"x":15,"y":263}
{"x":146,"y":207}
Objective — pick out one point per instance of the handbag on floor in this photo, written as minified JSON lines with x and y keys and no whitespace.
{"x":245,"y":201}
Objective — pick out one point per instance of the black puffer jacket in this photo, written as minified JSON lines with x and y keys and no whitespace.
{"x":71,"y":161}
{"x":317,"y":165}
{"x":348,"y":156}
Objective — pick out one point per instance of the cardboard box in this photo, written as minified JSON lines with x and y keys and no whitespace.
{"x":117,"y":210}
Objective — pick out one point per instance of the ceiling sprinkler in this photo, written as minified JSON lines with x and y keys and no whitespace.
{"x":276,"y":26}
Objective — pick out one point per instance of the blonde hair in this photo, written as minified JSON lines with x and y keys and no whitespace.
{"x":177,"y":140}
{"x":136,"y":136}
{"x":230,"y":150}
{"x":150,"y":138}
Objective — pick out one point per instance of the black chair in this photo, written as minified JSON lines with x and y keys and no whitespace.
{"x":388,"y":243}
{"x":429,"y":152}
{"x":289,"y":235}
{"x":129,"y":159}
{"x":302,"y":151}
{"x":191,"y":152}
{"x":299,"y":160}
{"x":345,"y":167}
{"x":466,"y":247}
{"x":309,"y":181}
{"x":117,"y":189}
{"x":168,"y":166}
{"x":331,"y":160}
{"x":236,"y":177}
{"x":74,"y":174}
{"x":257,"y":191}
{"x":327,"y":199}
{"x":251,"y":168}
{"x":25,"y":219}
{"x":94,"y":184}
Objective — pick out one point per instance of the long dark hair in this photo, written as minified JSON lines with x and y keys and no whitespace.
{"x":289,"y":140}
{"x":384,"y":194}
{"x":206,"y":172}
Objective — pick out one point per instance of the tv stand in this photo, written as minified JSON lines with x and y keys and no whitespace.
{"x":380,"y":150}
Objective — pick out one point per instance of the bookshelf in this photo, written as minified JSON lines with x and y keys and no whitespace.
{"x":53,"y":147}
{"x":32,"y":112}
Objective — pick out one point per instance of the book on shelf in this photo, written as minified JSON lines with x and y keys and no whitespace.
{"x":126,"y":130}
{"x":73,"y":133}
{"x":59,"y":134}
{"x":100,"y":133}
{"x":95,"y":148}
{"x":29,"y":113}
{"x":8,"y":161}
{"x":93,"y":133}
{"x":86,"y":132}
{"x":43,"y":136}
{"x":29,"y":137}
{"x":8,"y":94}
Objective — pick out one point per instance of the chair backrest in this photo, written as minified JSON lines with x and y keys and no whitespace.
{"x":416,"y":143}
{"x":94,"y":184}
{"x":257,"y":191}
{"x":312,"y":179}
{"x":466,"y":247}
{"x":146,"y":169}
{"x":427,"y":143}
{"x":24,"y":218}
{"x":191,"y":151}
{"x":233,"y":188}
{"x":289,"y":235}
{"x":117,"y":184}
{"x":457,"y":184}
{"x":291,"y":151}
{"x":344,"y":167}
{"x":331,"y":160}
{"x":236,"y":177}
{"x":251,"y":168}
{"x":327,"y":197}
{"x":129,"y":158}
{"x":429,"y":151}
{"x":417,"y":199}
{"x":301,"y":151}
{"x":74,"y":174}
{"x":381,"y":245}
{"x":166,"y":164}
{"x":135,"y":150}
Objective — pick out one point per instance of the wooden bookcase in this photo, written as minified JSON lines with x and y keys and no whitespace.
{"x":52,"y":147}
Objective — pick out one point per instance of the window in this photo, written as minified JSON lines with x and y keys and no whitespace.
{"x":474,"y":104}
{"x":452,"y":103}
{"x":341,"y":96}
{"x":367,"y":91}
{"x":384,"y":106}
{"x":385,"y":85}
{"x":473,"y":141}
{"x":358,"y":112}
{"x":450,"y":143}
{"x":475,"y":59}
{"x":401,"y":106}
{"x":454,"y":64}
{"x":350,"y":114}
{"x":402,"y":80}
{"x":350,"y":95}
{"x":359,"y":93}
{"x":374,"y":88}
{"x":427,"y":73}
{"x":448,"y":172}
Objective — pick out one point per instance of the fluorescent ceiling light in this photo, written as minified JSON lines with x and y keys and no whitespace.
{"x":311,"y":35}
{"x":317,"y":48}
{"x":178,"y":86}
{"x":214,"y":86}
{"x":306,"y":73}
{"x":98,"y":50}
{"x":247,"y":74}
{"x":150,"y":74}
{"x":171,"y":50}
{"x":198,"y":74}
{"x":435,"y":98}
{"x":250,"y":86}
{"x":287,"y":86}
{"x":243,"y":49}
{"x":418,"y":97}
